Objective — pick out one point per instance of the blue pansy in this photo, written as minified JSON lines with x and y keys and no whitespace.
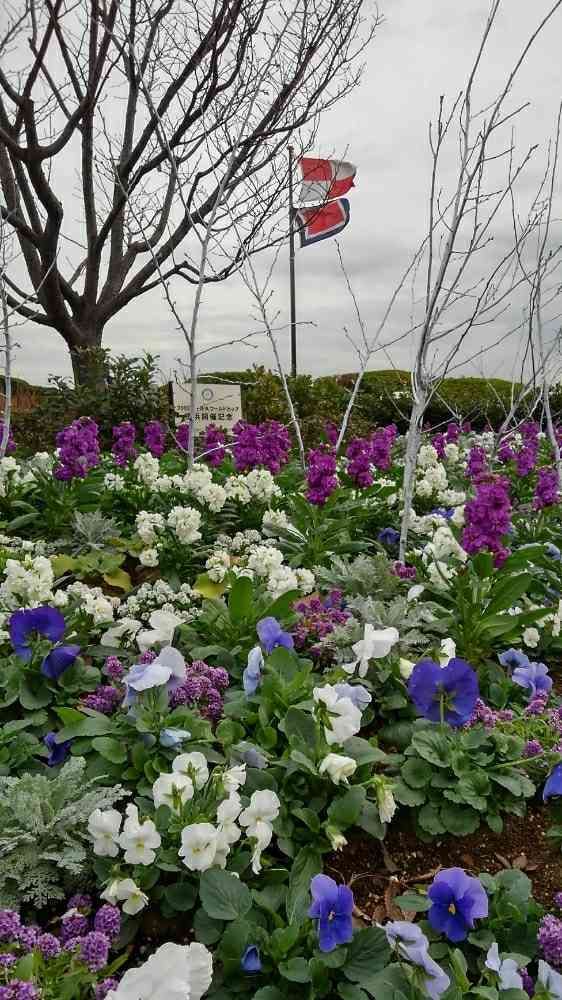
{"x":58,"y":660}
{"x":173,"y":737}
{"x":388,"y":536}
{"x":456,"y":685}
{"x":57,"y":751}
{"x":553,"y":785}
{"x":251,"y":961}
{"x":457,"y":901}
{"x":534,"y":677}
{"x":251,"y":678}
{"x":332,"y":908}
{"x":513,"y":658}
{"x":23,"y":625}
{"x":271,"y":635}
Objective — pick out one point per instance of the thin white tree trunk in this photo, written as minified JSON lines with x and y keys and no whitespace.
{"x":410,"y":464}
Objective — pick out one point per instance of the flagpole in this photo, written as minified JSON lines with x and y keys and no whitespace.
{"x":292,"y":268}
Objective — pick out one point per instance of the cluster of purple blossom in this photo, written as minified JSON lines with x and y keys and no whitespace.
{"x":321,"y":475}
{"x":450,"y":436}
{"x":365,"y":453}
{"x":477,"y":465}
{"x":317,"y":619}
{"x":213,"y":445}
{"x":202,"y":689}
{"x":488,"y":519}
{"x":403,"y":572}
{"x":266,"y":444}
{"x":155,"y":434}
{"x":483,"y":714}
{"x":549,"y":937}
{"x":79,"y":449}
{"x":525,"y":457}
{"x":183,"y":433}
{"x":104,"y":699}
{"x":546,"y":490}
{"x":83,"y":933}
{"x":123,"y":448}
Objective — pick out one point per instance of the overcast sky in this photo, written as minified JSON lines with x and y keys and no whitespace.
{"x":421,"y":50}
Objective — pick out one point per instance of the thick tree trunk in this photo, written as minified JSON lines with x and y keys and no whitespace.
{"x":89,"y":361}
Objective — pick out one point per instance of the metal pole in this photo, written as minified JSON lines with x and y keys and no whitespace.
{"x":292,"y":269}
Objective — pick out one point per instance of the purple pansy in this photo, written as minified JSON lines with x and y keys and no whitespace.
{"x":456,"y":686}
{"x":58,"y":660}
{"x":251,"y":961}
{"x":553,"y":784}
{"x":44,"y":620}
{"x":57,"y":751}
{"x":271,"y":635}
{"x":534,"y":677}
{"x":513,"y":658}
{"x":457,"y":901}
{"x":410,"y":943}
{"x":332,"y":907}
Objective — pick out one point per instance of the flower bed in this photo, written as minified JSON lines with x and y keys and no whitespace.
{"x":246,"y":751}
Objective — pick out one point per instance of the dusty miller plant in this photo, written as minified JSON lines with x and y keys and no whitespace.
{"x":92,"y":531}
{"x":44,"y":846}
{"x":362,"y":575}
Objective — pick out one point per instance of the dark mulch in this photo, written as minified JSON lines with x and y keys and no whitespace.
{"x":378,"y":872}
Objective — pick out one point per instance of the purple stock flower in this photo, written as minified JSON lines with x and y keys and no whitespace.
{"x":549,"y":939}
{"x":452,"y":690}
{"x":104,"y":699}
{"x":439,"y":441}
{"x":10,"y":925}
{"x":546,"y":491}
{"x":155,"y":438}
{"x":80,"y":901}
{"x":202,"y":688}
{"x":457,"y":901}
{"x":182,"y":436}
{"x":266,"y":444}
{"x":321,"y":475}
{"x":271,"y":635}
{"x":58,"y":660}
{"x":251,"y":961}
{"x":477,"y":464}
{"x":331,"y":433}
{"x":332,"y":907}
{"x":27,"y":937}
{"x":7,"y":959}
{"x":533,"y":748}
{"x":528,"y":982}
{"x":57,"y":751}
{"x":553,"y":784}
{"x":404,"y":572}
{"x":94,"y":950}
{"x":48,"y":945}
{"x":19,"y":989}
{"x":360,"y":457}
{"x":73,"y":925}
{"x":213,"y":445}
{"x":488,"y":519}
{"x":534,"y":677}
{"x":79,"y":449}
{"x":381,"y":446}
{"x":113,"y":668}
{"x":123,"y":447}
{"x":23,"y":625}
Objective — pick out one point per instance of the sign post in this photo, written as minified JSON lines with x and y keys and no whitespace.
{"x":216,"y":403}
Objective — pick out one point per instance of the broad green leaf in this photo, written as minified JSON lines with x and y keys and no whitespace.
{"x":223,"y":896}
{"x":416,"y":773}
{"x":207,"y":587}
{"x":306,"y":865}
{"x":412,"y":901}
{"x":368,"y":953}
{"x":120,"y":579}
{"x":240,"y":599}
{"x":110,"y":749}
{"x":296,"y":970}
{"x":459,"y":820}
{"x":433,"y":746}
{"x":346,"y":810}
{"x":207,"y":930}
{"x":181,"y":896}
{"x":507,"y":591}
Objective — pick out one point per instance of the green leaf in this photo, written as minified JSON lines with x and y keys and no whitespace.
{"x":307,"y":863}
{"x":516,"y":783}
{"x":347,"y":991}
{"x":269,"y":993}
{"x":97,"y":725}
{"x":407,"y":796}
{"x":223,"y":896}
{"x":368,"y":953}
{"x":240,"y":599}
{"x":207,"y":587}
{"x":416,"y":773}
{"x":110,"y":749}
{"x":346,"y":810}
{"x":33,"y":695}
{"x":370,"y":821}
{"x":296,"y":970}
{"x":429,"y":820}
{"x":459,"y":820}
{"x":507,"y":591}
{"x":413,"y":901}
{"x":119,"y":579}
{"x":181,"y":896}
{"x":207,"y":930}
{"x":300,"y":728}
{"x":433,"y":746}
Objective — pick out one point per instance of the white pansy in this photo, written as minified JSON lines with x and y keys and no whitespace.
{"x":385,"y":801}
{"x":198,"y":846}
{"x":162,"y":627}
{"x":263,"y":808}
{"x":261,"y":835}
{"x":338,"y":767}
{"x":139,"y":840}
{"x":375,"y":644}
{"x":172,"y":790}
{"x":194,"y":765}
{"x":127,"y":892}
{"x":104,"y":827}
{"x":234,"y":778}
{"x":344,"y":717}
{"x":405,"y":667}
{"x":173,"y":972}
{"x":415,"y":592}
{"x":125,"y":628}
{"x":447,"y":651}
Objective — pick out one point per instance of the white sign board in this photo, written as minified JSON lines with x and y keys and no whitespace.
{"x":217,"y":403}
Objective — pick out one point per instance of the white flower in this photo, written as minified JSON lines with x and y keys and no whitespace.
{"x":261,"y":834}
{"x":415,"y":592}
{"x":103,"y":827}
{"x":185,"y":521}
{"x":139,"y":840}
{"x":172,"y":790}
{"x":338,"y":768}
{"x":427,"y":456}
{"x":198,"y":846}
{"x":169,"y":663}
{"x":149,"y":557}
{"x":126,"y":891}
{"x":148,"y":525}
{"x":448,"y":650}
{"x":163,"y":625}
{"x":173,"y":972}
{"x":147,"y":469}
{"x":113,"y":481}
{"x":375,"y":644}
{"x":264,"y":808}
{"x":194,"y":765}
{"x":405,"y":667}
{"x":234,"y":778}
{"x":344,"y":716}
{"x":227,"y":813}
{"x":385,"y":801}
{"x":531,"y":637}
{"x":127,"y":627}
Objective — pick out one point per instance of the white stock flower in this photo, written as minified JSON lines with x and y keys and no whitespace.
{"x":103,"y":827}
{"x":427,"y":456}
{"x":194,"y":765}
{"x":147,"y":526}
{"x":375,"y":644}
{"x":172,"y":790}
{"x":147,"y":469}
{"x":163,"y":625}
{"x":125,"y":891}
{"x":531,"y":637}
{"x":139,"y":840}
{"x":185,"y":521}
{"x":173,"y":972}
{"x":385,"y":801}
{"x":338,"y":767}
{"x":198,"y":846}
{"x":149,"y":557}
{"x":344,"y":716}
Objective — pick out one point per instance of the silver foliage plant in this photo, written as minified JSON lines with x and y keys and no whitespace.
{"x":44,"y":846}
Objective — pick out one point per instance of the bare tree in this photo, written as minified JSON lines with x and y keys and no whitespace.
{"x":73,"y":90}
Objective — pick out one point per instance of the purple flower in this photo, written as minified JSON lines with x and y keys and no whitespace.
{"x":104,"y":699}
{"x":321,"y":475}
{"x":332,"y":907}
{"x":331,"y":432}
{"x":182,"y":436}
{"x":452,"y":690}
{"x":527,"y":981}
{"x":108,"y":921}
{"x":173,"y":737}
{"x":23,"y":625}
{"x":19,"y":989}
{"x":80,"y":901}
{"x":534,"y":677}
{"x":477,"y":463}
{"x":389,"y":536}
{"x":488,"y":520}
{"x":404,"y":572}
{"x":105,"y":987}
{"x":113,"y":668}
{"x":546,"y":491}
{"x":457,"y":901}
{"x":123,"y":448}
{"x":79,"y":449}
{"x":10,"y":925}
{"x":58,"y":660}
{"x":549,"y":939}
{"x":27,"y":937}
{"x":266,"y":444}
{"x":57,"y":751}
{"x":251,"y":678}
{"x":213,"y":445}
{"x":271,"y":635}
{"x":73,"y":925}
{"x":553,"y":784}
{"x":251,"y":961}
{"x":48,"y":945}
{"x":155,"y":438}
{"x":513,"y":658}
{"x":94,"y":950}
{"x":532,"y":748}
{"x":7,"y":959}
{"x":558,"y":900}
{"x":411,"y":944}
